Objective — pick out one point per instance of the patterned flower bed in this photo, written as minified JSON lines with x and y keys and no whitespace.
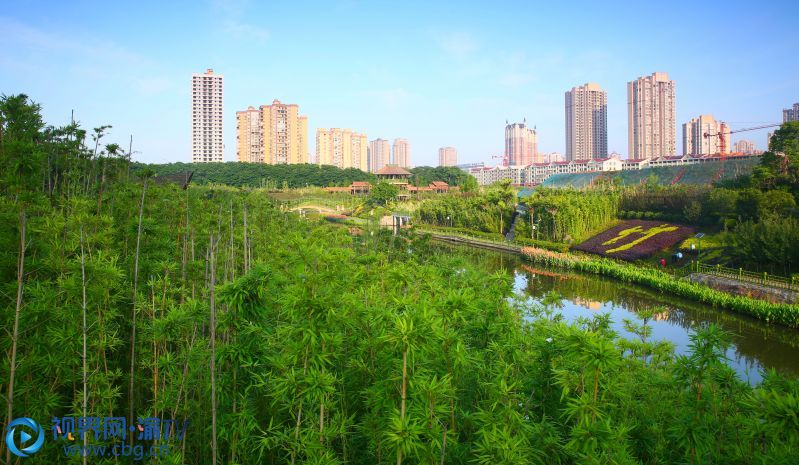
{"x":635,"y":239}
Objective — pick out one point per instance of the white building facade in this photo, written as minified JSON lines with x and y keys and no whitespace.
{"x":207,"y":117}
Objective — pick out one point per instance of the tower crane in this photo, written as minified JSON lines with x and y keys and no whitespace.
{"x":723,"y":144}
{"x":722,"y":133}
{"x":503,"y":157}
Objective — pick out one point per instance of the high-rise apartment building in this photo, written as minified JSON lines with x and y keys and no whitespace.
{"x":249,"y":136}
{"x":651,"y":117}
{"x":694,"y":141}
{"x":401,"y":153}
{"x":360,"y":152}
{"x":342,"y":148}
{"x":521,"y":144}
{"x":206,"y":117}
{"x":285,"y":134}
{"x":447,"y":156}
{"x":747,"y":147}
{"x":379,"y":154}
{"x":791,"y":114}
{"x":586,"y":122}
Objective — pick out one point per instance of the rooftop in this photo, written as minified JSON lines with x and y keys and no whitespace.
{"x":394,"y":170}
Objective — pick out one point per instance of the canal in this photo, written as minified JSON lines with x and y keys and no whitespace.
{"x":755,"y":345}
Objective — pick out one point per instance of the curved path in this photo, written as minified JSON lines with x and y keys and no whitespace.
{"x":318,"y":208}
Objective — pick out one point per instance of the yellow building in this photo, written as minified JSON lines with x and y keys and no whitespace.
{"x":342,"y":148}
{"x":285,"y":134}
{"x":249,"y":136}
{"x":274,"y":134}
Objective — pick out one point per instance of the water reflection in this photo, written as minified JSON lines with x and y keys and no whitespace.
{"x":755,"y":345}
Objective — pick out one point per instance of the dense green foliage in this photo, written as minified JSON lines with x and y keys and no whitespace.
{"x":773,"y":239}
{"x":285,"y":340}
{"x":263,"y":175}
{"x":567,"y":215}
{"x":672,"y":201}
{"x":294,"y":176}
{"x":382,"y":193}
{"x":424,"y":175}
{"x":780,"y":164}
{"x":490,"y":211}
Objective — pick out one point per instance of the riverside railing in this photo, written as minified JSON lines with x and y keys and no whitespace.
{"x":740,"y":274}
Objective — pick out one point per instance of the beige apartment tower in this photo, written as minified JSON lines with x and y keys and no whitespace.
{"x":694,"y":141}
{"x":341,"y":148}
{"x":285,"y":134}
{"x":206,"y":117}
{"x":521,"y":145}
{"x":401,"y":153}
{"x":747,"y":147}
{"x":447,"y":156}
{"x":379,"y":154}
{"x":249,"y":136}
{"x":651,"y":117}
{"x":586,"y":122}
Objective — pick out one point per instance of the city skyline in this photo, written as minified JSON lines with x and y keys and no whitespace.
{"x":454,"y":84}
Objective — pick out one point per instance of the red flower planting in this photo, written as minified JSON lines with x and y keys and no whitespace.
{"x":635,"y":239}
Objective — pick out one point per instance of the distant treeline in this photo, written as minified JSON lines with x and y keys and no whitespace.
{"x":261,"y":174}
{"x":293,"y":176}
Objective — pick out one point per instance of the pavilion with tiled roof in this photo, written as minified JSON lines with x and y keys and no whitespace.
{"x":393,"y":174}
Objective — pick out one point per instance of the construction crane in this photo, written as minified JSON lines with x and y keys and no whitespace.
{"x":723,"y":141}
{"x":503,"y":157}
{"x":722,"y":133}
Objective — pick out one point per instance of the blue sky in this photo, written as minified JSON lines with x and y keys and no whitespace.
{"x":438,"y":74}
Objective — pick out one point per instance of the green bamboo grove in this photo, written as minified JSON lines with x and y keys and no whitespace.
{"x":288,"y":341}
{"x":565,"y":215}
{"x":491,"y":211}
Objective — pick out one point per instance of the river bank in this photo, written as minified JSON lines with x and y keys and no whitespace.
{"x":756,"y":346}
{"x":771,"y":313}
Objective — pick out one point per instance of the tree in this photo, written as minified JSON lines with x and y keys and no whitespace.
{"x":382,"y":193}
{"x":693,"y":212}
{"x":20,"y":133}
{"x":777,"y":202}
{"x":782,"y":158}
{"x":469,"y":184}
